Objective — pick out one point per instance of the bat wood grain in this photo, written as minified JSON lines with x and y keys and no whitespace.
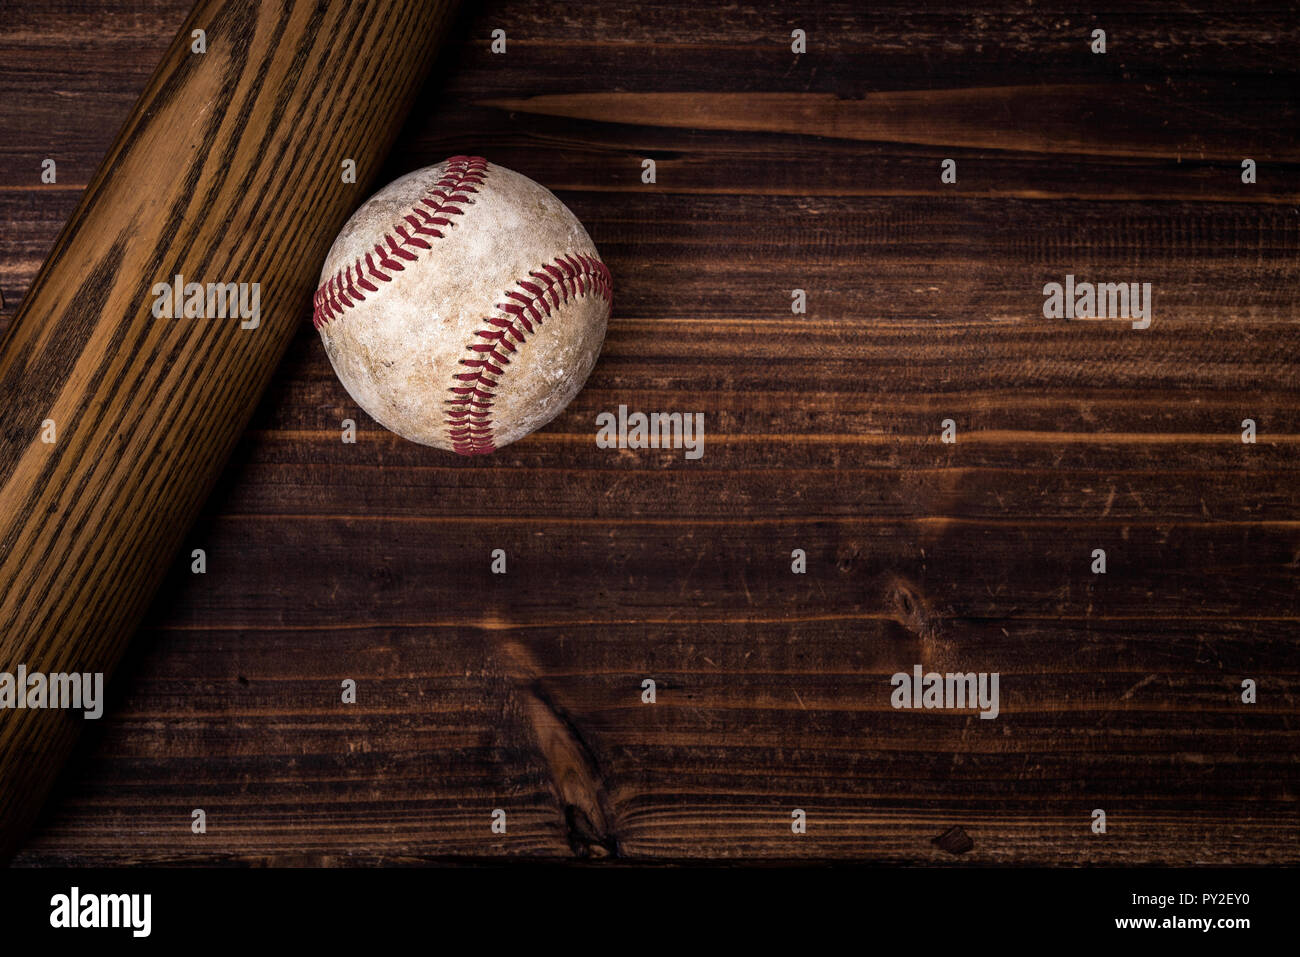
{"x":228,"y":170}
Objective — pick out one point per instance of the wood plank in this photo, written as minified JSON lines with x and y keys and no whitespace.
{"x":370,"y":561}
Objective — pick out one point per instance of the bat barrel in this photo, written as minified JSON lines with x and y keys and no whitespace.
{"x":144,"y":344}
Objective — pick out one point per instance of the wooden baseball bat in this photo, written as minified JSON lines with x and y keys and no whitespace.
{"x":115,"y":420}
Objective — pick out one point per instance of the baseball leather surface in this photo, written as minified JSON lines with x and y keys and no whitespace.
{"x":463,"y":306}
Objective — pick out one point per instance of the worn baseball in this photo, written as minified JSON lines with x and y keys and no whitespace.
{"x":463,"y":306}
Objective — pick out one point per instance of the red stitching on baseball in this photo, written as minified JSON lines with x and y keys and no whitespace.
{"x":469,"y":420}
{"x":435,"y":210}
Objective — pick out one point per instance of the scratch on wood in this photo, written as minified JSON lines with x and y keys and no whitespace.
{"x":1029,"y":117}
{"x":1141,"y":684}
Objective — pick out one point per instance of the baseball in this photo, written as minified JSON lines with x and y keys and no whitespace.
{"x":463,"y":306}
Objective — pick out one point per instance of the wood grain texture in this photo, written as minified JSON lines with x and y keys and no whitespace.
{"x":117,"y":422}
{"x":522,"y":692}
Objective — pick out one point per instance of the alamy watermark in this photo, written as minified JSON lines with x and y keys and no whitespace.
{"x":216,"y":300}
{"x":76,"y":692}
{"x":1104,"y":300}
{"x":75,"y":909}
{"x":952,"y":690}
{"x":656,"y":430}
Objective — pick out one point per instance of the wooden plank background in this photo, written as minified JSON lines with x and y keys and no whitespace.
{"x":370,"y":561}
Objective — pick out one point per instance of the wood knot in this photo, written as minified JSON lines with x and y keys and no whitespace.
{"x":955,"y":840}
{"x":910,"y":609}
{"x":846,"y":557}
{"x":575,"y":775}
{"x":586,"y":839}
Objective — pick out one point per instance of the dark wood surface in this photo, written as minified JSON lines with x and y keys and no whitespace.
{"x":370,"y":561}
